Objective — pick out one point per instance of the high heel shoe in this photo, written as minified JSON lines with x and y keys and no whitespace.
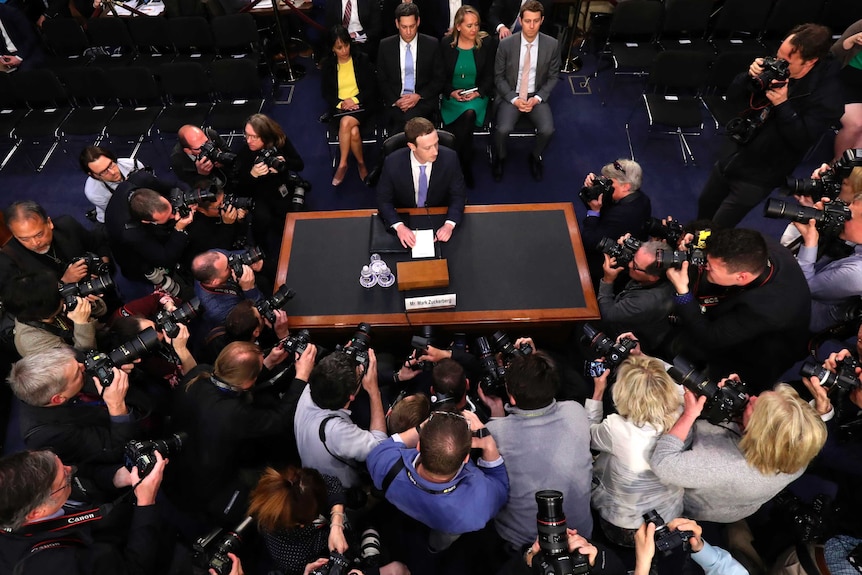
{"x":339,"y":175}
{"x":363,"y":172}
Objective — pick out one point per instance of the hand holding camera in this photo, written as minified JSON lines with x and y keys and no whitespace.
{"x":114,"y":395}
{"x":146,"y":489}
{"x":81,"y":313}
{"x":75,"y":272}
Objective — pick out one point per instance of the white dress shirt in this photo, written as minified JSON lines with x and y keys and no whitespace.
{"x":534,"y":52}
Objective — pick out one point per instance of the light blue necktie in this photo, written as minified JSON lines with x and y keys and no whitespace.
{"x":409,"y":72}
{"x":422,"y":198}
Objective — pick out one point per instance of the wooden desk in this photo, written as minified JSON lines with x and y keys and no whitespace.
{"x":509,"y":265}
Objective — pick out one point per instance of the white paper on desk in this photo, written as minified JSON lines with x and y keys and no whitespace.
{"x":424,"y":247}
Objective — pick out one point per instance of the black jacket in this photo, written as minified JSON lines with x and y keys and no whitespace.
{"x":366,"y":81}
{"x":184,"y":167}
{"x":429,"y":77}
{"x":264,"y":187}
{"x":484,"y":58}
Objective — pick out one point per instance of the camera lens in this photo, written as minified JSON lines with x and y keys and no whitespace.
{"x":551,"y":522}
{"x":133,"y":349}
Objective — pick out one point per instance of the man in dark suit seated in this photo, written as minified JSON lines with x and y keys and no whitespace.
{"x":360,"y":17}
{"x":421,"y":175}
{"x":526,"y":70}
{"x":410,"y":85}
{"x":19,"y":45}
{"x":503,"y":17}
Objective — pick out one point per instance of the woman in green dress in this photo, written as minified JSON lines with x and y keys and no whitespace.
{"x":468,"y":67}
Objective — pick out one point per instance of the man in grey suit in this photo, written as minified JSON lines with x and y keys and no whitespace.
{"x":525,"y":72}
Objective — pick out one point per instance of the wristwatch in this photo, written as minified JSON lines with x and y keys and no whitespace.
{"x":482,"y":432}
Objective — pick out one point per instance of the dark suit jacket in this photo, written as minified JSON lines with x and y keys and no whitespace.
{"x":23,"y":35}
{"x":429,"y":79}
{"x":505,"y":11}
{"x":369,"y":17}
{"x":506,"y":67}
{"x":184,"y":167}
{"x":445,"y":188}
{"x":366,"y":80}
{"x":484,"y":58}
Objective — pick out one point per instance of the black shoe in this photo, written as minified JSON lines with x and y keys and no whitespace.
{"x":373,"y":176}
{"x":497,"y":168}
{"x":536,"y":168}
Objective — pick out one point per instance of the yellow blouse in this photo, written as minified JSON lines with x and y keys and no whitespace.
{"x":347,"y":86}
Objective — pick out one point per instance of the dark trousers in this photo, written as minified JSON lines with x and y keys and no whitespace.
{"x":462,"y":129}
{"x":508,"y":115}
{"x":726,"y":201}
{"x":395,"y":118}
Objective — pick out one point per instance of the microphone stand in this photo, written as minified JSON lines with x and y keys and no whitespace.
{"x":290,"y":73}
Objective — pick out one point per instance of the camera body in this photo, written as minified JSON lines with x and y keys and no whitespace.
{"x":553,"y":542}
{"x":844,"y":377}
{"x":278,"y":300}
{"x":808,"y":521}
{"x":182,"y":202}
{"x":667,"y":541}
{"x":493,"y":380}
{"x":270,"y":158}
{"x":722,"y":403}
{"x":87,"y":286}
{"x":95,"y":265}
{"x":773,"y":69}
{"x":211,"y":550}
{"x":623,"y":253}
{"x":671,"y":230}
{"x":338,"y":564}
{"x":357,"y":350}
{"x":99,"y":364}
{"x":829,"y":221}
{"x":296,"y":344}
{"x":215,"y":155}
{"x":168,"y":321}
{"x":601,"y":187}
{"x":666,"y":259}
{"x":420,"y":343}
{"x":829,"y":183}
{"x":238,"y":202}
{"x":249,"y":257}
{"x":742,"y":129}
{"x":142,"y":454}
{"x":603,"y":346}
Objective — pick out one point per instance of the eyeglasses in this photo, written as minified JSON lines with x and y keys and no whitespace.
{"x":68,"y":474}
{"x":619,"y":168}
{"x":110,"y":167}
{"x":252,"y":137}
{"x":451,"y":414}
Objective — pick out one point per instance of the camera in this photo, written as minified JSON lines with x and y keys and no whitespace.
{"x":808,"y":521}
{"x":600,"y":187}
{"x":555,"y":558}
{"x":300,"y":189}
{"x":493,"y":380}
{"x":772,"y":69}
{"x":844,"y":377}
{"x":829,"y":221}
{"x":98,"y":364}
{"x":603,"y":346}
{"x":211,"y":550}
{"x":167,"y":321}
{"x":95,"y":265}
{"x":420,"y":343}
{"x":278,"y":300}
{"x":142,"y":454}
{"x":182,"y":202}
{"x":269,"y":157}
{"x":338,"y":564}
{"x":829,"y":183}
{"x":213,"y":154}
{"x":504,"y":345}
{"x":667,"y":541}
{"x":666,"y":259}
{"x":296,"y":344}
{"x":855,"y":557}
{"x":92,"y":286}
{"x":357,"y":348}
{"x":238,"y":202}
{"x":249,"y":257}
{"x":722,"y":403}
{"x":742,"y":129}
{"x":624,"y":253}
{"x":671,"y":231}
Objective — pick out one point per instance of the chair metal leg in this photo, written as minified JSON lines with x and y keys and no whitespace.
{"x":48,"y":155}
{"x":684,"y":148}
{"x":629,"y":138}
{"x":10,"y":154}
{"x":138,"y":146}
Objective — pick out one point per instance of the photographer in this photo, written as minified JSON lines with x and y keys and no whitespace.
{"x":730,"y":471}
{"x":245,"y":323}
{"x":835,"y":284}
{"x":42,"y":320}
{"x":69,"y":411}
{"x":263,"y":170}
{"x":105,"y":173}
{"x":648,"y":402}
{"x":624,"y":210}
{"x":533,"y":418}
{"x":713,"y":560}
{"x":216,"y":225}
{"x":602,"y":561}
{"x":644,"y":304}
{"x":798,"y":107}
{"x":35,"y":487}
{"x":756,"y":305}
{"x":187,"y":161}
{"x":327,"y":438}
{"x":232,"y":434}
{"x":171,"y":361}
{"x":217,"y":286}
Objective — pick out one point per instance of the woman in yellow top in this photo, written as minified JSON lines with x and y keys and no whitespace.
{"x":349,"y":89}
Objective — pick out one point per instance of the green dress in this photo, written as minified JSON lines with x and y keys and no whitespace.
{"x":464,"y":78}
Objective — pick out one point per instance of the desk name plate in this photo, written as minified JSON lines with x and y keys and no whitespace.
{"x":429,"y":302}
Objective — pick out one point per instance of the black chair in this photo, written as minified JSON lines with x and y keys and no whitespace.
{"x":785,"y":15}
{"x":152,"y":38}
{"x":724,"y":69}
{"x":193,"y":39}
{"x":398,"y":141}
{"x":12,"y":111}
{"x":839,"y":14}
{"x":685,"y":25}
{"x":236,"y":36}
{"x":368,"y":131}
{"x":49,"y":106}
{"x":237,"y":87}
{"x":674,"y":101}
{"x":739,"y":24}
{"x":92,"y":105}
{"x":112,"y":35}
{"x":67,"y":42}
{"x":140,"y":103}
{"x":185,"y":88}
{"x":631,"y":44}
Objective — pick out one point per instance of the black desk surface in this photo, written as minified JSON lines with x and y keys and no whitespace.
{"x":507,"y":264}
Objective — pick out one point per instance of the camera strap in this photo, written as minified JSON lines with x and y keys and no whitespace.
{"x":321,"y":432}
{"x":64,"y":522}
{"x":225,"y":387}
{"x":58,"y":329}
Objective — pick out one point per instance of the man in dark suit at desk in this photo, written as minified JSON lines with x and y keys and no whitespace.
{"x":408,"y":71}
{"x":526,"y":70}
{"x":421,"y":175}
